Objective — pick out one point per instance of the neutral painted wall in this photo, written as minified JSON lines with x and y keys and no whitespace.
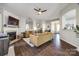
{"x":0,"y":22}
{"x":22,"y":25}
{"x":1,"y":17}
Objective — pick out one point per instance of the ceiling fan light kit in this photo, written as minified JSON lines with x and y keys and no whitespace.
{"x":39,"y":13}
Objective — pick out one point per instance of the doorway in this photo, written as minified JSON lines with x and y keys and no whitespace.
{"x":55,"y":26}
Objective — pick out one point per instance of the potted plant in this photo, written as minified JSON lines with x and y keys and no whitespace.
{"x":77,"y":30}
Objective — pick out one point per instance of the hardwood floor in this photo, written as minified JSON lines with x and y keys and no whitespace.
{"x":51,"y":48}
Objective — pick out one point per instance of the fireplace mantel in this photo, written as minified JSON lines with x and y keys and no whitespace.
{"x":8,"y":29}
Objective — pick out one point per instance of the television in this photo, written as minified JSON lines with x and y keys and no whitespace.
{"x":13,"y":21}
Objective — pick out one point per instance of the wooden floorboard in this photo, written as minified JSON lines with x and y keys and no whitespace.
{"x":48,"y":49}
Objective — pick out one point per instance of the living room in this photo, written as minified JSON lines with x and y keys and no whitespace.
{"x":36,"y":26}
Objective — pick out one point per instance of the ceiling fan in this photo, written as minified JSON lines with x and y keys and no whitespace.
{"x":39,"y":10}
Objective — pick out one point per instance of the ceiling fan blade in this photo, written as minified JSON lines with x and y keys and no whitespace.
{"x":36,"y":9}
{"x":44,"y":11}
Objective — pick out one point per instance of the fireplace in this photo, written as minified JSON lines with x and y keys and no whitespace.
{"x":12,"y":35}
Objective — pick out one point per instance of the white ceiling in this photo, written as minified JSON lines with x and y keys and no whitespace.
{"x":71,"y":13}
{"x":27,"y":9}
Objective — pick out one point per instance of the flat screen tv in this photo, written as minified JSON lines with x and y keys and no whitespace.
{"x":13,"y":21}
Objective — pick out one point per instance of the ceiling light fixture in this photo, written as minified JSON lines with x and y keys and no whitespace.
{"x":39,"y":13}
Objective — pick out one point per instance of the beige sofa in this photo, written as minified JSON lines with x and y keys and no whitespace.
{"x":40,"y":38}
